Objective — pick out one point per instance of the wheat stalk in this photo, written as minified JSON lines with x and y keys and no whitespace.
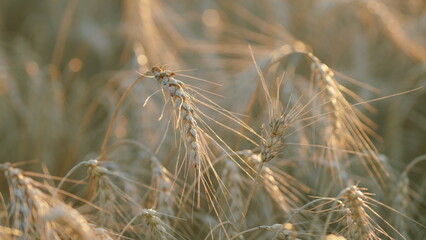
{"x":164,"y":199}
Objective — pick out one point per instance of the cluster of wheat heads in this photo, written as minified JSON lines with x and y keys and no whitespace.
{"x":277,"y":144}
{"x":207,"y":188}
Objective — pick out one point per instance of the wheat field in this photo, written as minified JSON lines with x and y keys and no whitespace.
{"x":202,"y":120}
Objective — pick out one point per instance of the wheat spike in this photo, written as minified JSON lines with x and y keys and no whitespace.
{"x":185,"y":114}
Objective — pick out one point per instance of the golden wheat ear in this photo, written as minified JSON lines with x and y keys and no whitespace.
{"x":164,"y":197}
{"x":153,"y":227}
{"x":329,"y":126}
{"x":35,"y":213}
{"x":115,"y":206}
{"x":185,"y":115}
{"x":344,"y":130}
{"x":197,"y":136}
{"x":361,"y":219}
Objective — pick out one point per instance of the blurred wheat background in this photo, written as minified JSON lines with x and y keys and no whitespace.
{"x":64,"y":65}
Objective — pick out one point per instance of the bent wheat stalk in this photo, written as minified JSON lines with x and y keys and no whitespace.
{"x":114,"y":117}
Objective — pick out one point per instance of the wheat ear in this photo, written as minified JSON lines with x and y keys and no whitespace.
{"x":155,"y":228}
{"x":185,"y":114}
{"x":359,"y":223}
{"x":32,"y":210}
